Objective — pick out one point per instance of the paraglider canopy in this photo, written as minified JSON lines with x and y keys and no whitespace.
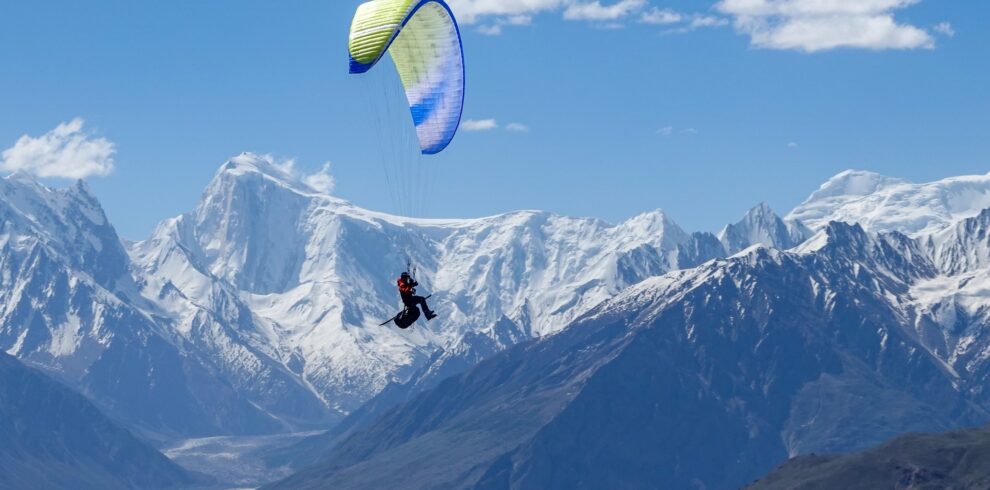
{"x":425,"y":44}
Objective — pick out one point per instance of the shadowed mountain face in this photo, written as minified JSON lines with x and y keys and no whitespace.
{"x":959,"y":459}
{"x":705,"y":378}
{"x":51,"y":437}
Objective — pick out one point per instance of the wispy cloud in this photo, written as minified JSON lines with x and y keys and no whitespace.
{"x":819,"y":25}
{"x":492,"y":124}
{"x":493,"y":15}
{"x":662,"y":17}
{"x":801,"y":25}
{"x":494,"y":27}
{"x":491,"y":29}
{"x":479,"y":125}
{"x":668,"y":131}
{"x":66,"y":152}
{"x":595,"y":11}
{"x":321,"y":180}
{"x":945,"y":29}
{"x":693,"y":22}
{"x":471,"y":11}
{"x":699,"y":21}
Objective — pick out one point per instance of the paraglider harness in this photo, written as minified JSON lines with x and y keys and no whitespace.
{"x":411,"y":312}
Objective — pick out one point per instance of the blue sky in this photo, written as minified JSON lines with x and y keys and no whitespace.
{"x":702,"y":108}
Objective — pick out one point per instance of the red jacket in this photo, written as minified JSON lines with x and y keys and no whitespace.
{"x":406,"y":288}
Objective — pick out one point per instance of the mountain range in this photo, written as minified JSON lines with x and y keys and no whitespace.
{"x":700,"y":378}
{"x":257,"y":313}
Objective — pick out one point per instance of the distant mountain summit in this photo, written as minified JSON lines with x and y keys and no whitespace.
{"x":880,"y":203}
{"x":761,"y":226}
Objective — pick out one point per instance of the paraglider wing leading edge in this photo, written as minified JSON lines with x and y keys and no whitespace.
{"x":425,"y":44}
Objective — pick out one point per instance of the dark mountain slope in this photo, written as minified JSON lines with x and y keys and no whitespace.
{"x":51,"y":437}
{"x":951,"y":460}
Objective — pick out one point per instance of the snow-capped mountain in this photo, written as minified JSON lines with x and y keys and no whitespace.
{"x":70,"y":306}
{"x":259,"y":310}
{"x":699,"y":378}
{"x":880,"y":203}
{"x":318,"y":274}
{"x":762,"y":226}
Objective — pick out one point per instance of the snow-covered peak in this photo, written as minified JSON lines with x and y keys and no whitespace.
{"x":251,"y":174}
{"x":655,"y":221}
{"x":318,"y":273}
{"x":656,"y":224}
{"x":69,"y":222}
{"x":881,"y":203}
{"x":252,"y":163}
{"x":762,"y":226}
{"x":855,"y":183}
{"x":249,"y":171}
{"x":651,"y":221}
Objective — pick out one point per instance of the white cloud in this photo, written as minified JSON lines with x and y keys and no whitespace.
{"x":66,"y":151}
{"x":595,"y":11}
{"x":491,"y":29}
{"x":945,"y":29}
{"x":818,"y":25}
{"x":321,"y":180}
{"x":680,"y":22}
{"x":668,"y":131}
{"x":693,"y":22}
{"x":663,"y":17}
{"x":792,"y":144}
{"x":288,"y":166}
{"x":479,"y":125}
{"x":494,"y":28}
{"x":493,"y":15}
{"x":700,"y":21}
{"x":490,"y":124}
{"x":470,"y":11}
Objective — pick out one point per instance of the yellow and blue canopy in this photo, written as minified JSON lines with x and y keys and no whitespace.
{"x":425,"y":43}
